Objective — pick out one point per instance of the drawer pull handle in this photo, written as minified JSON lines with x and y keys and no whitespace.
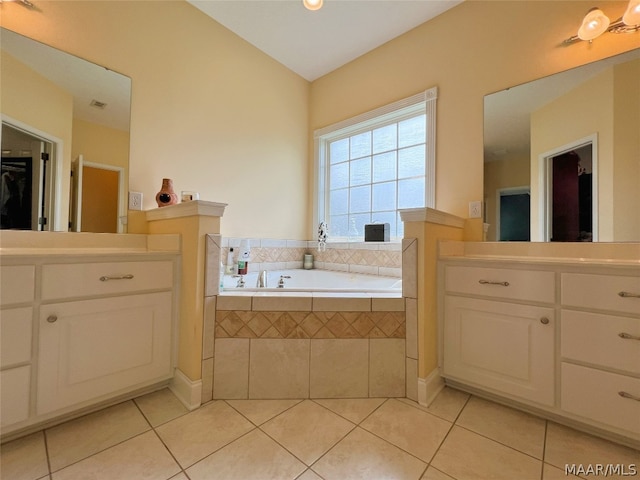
{"x":628,"y":395}
{"x":121,"y":277}
{"x":544,"y":321}
{"x":52,"y":318}
{"x":628,"y":295}
{"x":628,"y":336}
{"x":488,"y":282}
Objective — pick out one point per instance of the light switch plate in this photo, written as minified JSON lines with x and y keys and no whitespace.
{"x":135,"y":201}
{"x":475,"y":209}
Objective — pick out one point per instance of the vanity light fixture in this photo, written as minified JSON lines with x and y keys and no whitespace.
{"x":595,"y":23}
{"x":312,"y":4}
{"x":25,"y":3}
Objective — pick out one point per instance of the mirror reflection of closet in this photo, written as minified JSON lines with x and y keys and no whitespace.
{"x":570,"y":192}
{"x":25,"y":188}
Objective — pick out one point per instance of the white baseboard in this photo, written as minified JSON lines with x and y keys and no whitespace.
{"x":428,"y":388}
{"x":189,"y":392}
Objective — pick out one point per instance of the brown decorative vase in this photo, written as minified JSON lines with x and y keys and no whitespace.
{"x":166,"y":195}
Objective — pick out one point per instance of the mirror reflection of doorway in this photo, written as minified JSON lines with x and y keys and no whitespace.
{"x":26,"y":180}
{"x":570,"y":186}
{"x":514,"y":214}
{"x":96,"y":197}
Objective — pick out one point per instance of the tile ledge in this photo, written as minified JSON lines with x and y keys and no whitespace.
{"x":431,"y":215}
{"x":187,"y":209}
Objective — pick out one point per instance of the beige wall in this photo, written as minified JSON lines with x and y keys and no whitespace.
{"x":626,"y":151}
{"x":100,"y":144}
{"x":428,"y":236}
{"x":209,"y":110}
{"x":474,"y":49}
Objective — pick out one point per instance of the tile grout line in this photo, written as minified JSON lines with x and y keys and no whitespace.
{"x":104,"y":450}
{"x":453,"y":424}
{"x":46,"y":451}
{"x":544,"y":447}
{"x":153,"y":429}
{"x":293,"y":454}
{"x":500,"y":443}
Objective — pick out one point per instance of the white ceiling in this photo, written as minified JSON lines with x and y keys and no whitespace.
{"x":314,"y":43}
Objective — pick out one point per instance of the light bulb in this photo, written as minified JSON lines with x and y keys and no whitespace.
{"x":312,"y":4}
{"x":632,"y":14}
{"x":595,"y":23}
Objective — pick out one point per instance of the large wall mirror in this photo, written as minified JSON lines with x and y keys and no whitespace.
{"x":562,"y":156}
{"x":65,"y":140}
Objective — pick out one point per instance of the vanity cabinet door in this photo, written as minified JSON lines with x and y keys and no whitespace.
{"x":96,"y":348}
{"x":14,"y":395}
{"x":502,"y":346}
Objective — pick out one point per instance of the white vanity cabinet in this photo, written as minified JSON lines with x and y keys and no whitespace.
{"x":600,"y":349}
{"x":91,"y":329}
{"x":556,"y":337}
{"x":16,"y":337}
{"x":505,"y":346}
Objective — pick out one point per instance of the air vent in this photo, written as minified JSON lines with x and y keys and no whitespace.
{"x":98,"y":104}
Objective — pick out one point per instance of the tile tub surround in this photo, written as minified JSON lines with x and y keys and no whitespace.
{"x":305,"y":351}
{"x":237,"y":325}
{"x":373,"y":258}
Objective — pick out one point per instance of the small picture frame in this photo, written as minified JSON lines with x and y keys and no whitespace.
{"x":186,"y":196}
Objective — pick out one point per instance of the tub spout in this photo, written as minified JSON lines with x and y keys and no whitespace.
{"x":262,"y":280}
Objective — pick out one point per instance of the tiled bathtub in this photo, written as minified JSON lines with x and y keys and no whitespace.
{"x":261,"y":345}
{"x":309,"y":347}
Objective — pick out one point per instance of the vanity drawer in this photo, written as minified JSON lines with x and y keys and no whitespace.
{"x":17,"y":284}
{"x":594,"y":394}
{"x":601,"y":292}
{"x":61,"y":281}
{"x":502,"y":283}
{"x":595,"y":338}
{"x":15,"y":336}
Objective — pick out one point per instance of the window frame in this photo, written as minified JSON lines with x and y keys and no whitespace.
{"x":421,"y":103}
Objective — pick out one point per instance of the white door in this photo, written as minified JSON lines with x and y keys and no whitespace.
{"x":76,"y":196}
{"x":501,"y":346}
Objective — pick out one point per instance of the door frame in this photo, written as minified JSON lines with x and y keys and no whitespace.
{"x":53,"y":188}
{"x":503,"y":192}
{"x":545,"y":179}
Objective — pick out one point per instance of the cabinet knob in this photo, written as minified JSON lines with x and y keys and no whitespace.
{"x":544,"y":320}
{"x":52,"y":318}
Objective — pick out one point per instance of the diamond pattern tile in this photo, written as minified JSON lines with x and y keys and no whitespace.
{"x":272,"y":324}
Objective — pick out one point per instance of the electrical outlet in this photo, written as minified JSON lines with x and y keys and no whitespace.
{"x":135,"y":201}
{"x":475,"y":209}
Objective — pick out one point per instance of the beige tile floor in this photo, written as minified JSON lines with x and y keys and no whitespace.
{"x":458,"y":437}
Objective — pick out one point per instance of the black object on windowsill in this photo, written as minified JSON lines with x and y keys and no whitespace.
{"x":377,"y":232}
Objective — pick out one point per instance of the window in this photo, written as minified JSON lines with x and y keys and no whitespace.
{"x":373,"y":165}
